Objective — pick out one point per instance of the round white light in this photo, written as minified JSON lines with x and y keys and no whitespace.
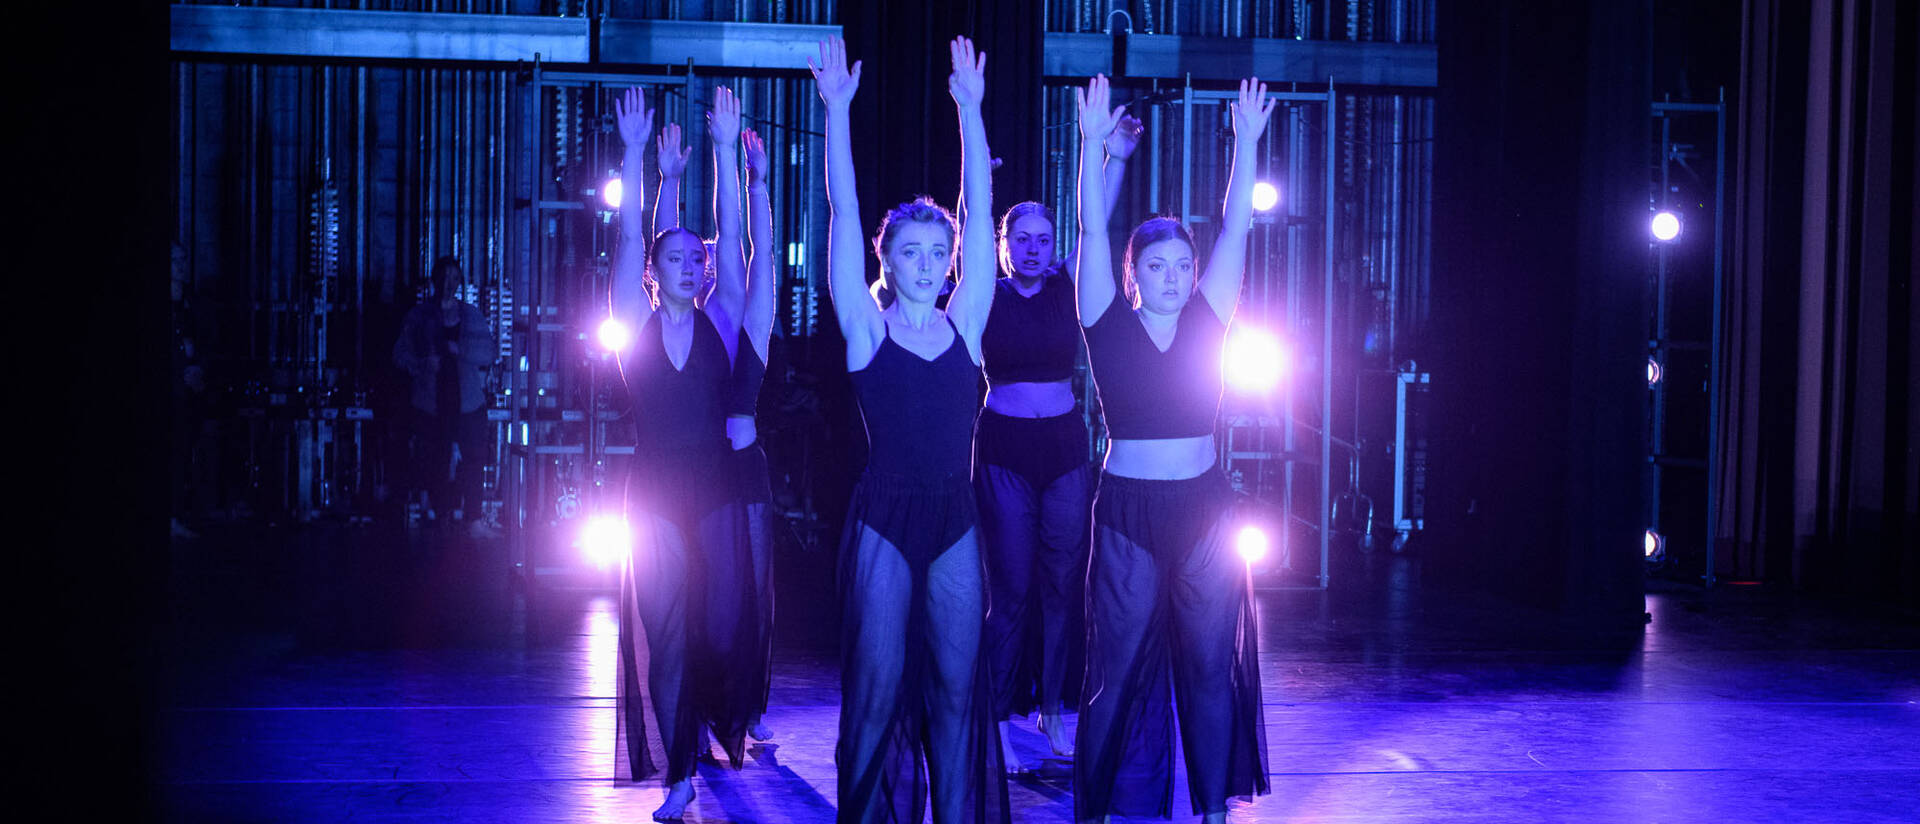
{"x":1252,"y":543}
{"x":606,"y":541}
{"x":613,"y":335}
{"x":1253,"y":360}
{"x":611,"y":192}
{"x":1655,"y":544}
{"x":1265,"y":197}
{"x":1666,"y":226}
{"x":1653,"y":372}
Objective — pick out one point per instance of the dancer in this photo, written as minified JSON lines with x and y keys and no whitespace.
{"x":685,"y":580}
{"x":752,"y":485}
{"x":1032,"y":473}
{"x":1165,"y":588}
{"x":910,"y":574}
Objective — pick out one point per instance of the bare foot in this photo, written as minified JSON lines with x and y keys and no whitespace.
{"x":1013,"y":764}
{"x":678,"y":797}
{"x":760,"y":731}
{"x":1056,"y":732}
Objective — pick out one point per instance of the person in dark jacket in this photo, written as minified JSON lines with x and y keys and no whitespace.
{"x":445,"y":346}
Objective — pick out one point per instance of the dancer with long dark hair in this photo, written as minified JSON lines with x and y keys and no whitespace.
{"x":1166,"y":592}
{"x":1032,"y":472}
{"x":686,"y":581}
{"x":910,"y":570}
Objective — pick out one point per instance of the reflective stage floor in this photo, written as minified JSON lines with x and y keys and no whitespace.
{"x":325,"y":674}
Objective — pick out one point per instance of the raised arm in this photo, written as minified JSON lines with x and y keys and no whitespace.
{"x":757,"y":318}
{"x":631,"y":305}
{"x":973,"y":294}
{"x":1220,"y":284}
{"x":672,"y":159}
{"x":1121,"y":142}
{"x":730,"y":265}
{"x":859,"y":316}
{"x":1093,"y":272}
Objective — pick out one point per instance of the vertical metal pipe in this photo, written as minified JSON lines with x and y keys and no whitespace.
{"x":1326,"y":337}
{"x":1714,"y":387}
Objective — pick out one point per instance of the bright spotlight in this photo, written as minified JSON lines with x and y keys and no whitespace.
{"x":1666,"y":226}
{"x":614,"y":335}
{"x":1253,"y":360}
{"x":606,"y":541}
{"x":1653,"y":372}
{"x":1265,"y":197}
{"x":1252,"y":543}
{"x":1656,"y":546}
{"x":611,"y":191}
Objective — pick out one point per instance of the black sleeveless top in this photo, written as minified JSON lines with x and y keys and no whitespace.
{"x":919,"y":413}
{"x":743,"y":386}
{"x":1148,"y":394}
{"x":1031,"y":339}
{"x":685,"y":408}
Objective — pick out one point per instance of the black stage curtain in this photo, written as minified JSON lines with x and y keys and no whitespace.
{"x":1540,"y":310}
{"x":1816,"y":481}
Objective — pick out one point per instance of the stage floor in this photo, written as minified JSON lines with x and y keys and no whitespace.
{"x":325,"y":674}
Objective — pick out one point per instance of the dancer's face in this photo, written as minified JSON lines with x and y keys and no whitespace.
{"x":680,"y":266}
{"x":917,"y":261}
{"x":1164,"y":275}
{"x":1027,"y":248}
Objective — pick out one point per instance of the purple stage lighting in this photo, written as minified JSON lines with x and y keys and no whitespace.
{"x":1656,"y":546}
{"x":611,"y":191}
{"x":1253,"y":543}
{"x":1653,"y":372}
{"x":614,"y":335}
{"x":1265,"y":196}
{"x":1666,"y":226}
{"x":1253,"y":360}
{"x":606,"y":541}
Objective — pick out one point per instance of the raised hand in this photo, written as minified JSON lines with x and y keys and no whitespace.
{"x":831,"y":77}
{"x":968,"y":83}
{"x":635,"y":119}
{"x":1096,"y":122}
{"x":672,"y":157}
{"x":723,"y":123}
{"x":1124,"y":138}
{"x":1251,"y":111}
{"x":756,"y":152}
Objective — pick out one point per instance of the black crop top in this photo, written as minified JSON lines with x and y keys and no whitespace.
{"x":685,"y":407}
{"x":1147,"y":394}
{"x":1031,"y":339}
{"x":919,"y":413}
{"x":743,"y":386}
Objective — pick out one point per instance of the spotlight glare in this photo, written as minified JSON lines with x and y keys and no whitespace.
{"x":611,"y":192}
{"x":1653,"y":372}
{"x":1666,"y":226}
{"x":1253,"y":360}
{"x":1252,"y":543}
{"x":1265,"y":196}
{"x":1656,"y":545}
{"x":606,"y":541}
{"x":614,"y":335}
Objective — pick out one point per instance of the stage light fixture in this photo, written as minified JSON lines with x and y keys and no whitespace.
{"x":1253,"y":543}
{"x":1653,"y":372}
{"x":1265,"y":196}
{"x":606,"y":541}
{"x":1656,"y":546}
{"x":611,"y":191}
{"x":1253,"y":360}
{"x":613,"y":335}
{"x":1666,"y":226}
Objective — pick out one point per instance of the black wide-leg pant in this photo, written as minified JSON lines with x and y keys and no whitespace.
{"x":1167,"y":596}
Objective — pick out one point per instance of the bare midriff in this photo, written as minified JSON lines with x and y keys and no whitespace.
{"x":1161,"y":459}
{"x":741,"y":431}
{"x":1038,"y":399}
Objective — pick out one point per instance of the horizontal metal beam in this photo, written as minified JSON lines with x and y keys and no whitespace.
{"x":711,"y":44}
{"x":379,"y":35}
{"x":506,"y":38}
{"x":1173,"y":57}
